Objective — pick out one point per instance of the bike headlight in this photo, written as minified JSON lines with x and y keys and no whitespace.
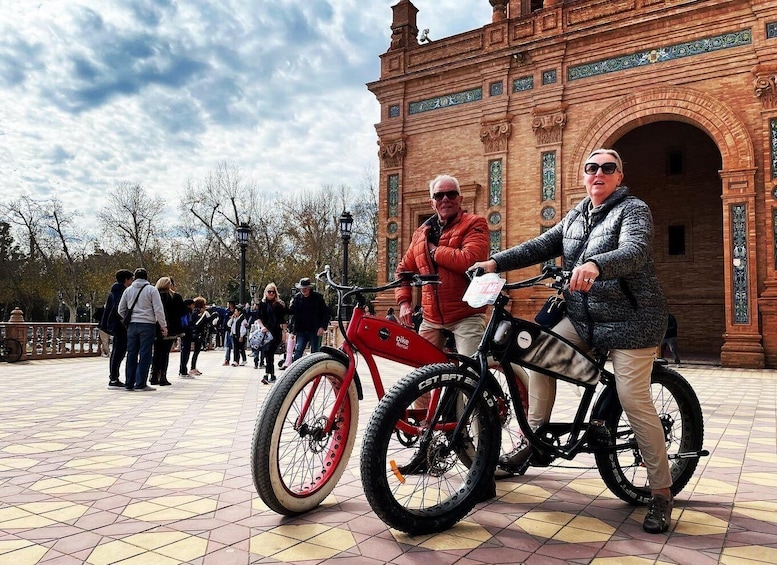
{"x":502,"y":333}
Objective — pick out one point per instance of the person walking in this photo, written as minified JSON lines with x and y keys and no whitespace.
{"x":194,"y":335}
{"x":111,"y":324}
{"x":614,"y":303}
{"x":272,"y":316}
{"x":141,"y":307}
{"x":311,"y":317}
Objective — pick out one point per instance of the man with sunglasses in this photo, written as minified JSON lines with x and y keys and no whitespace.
{"x":614,"y":303}
{"x":446,"y":244}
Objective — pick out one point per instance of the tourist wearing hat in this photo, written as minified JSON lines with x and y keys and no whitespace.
{"x":311,"y":317}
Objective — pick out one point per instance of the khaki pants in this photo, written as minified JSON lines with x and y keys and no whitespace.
{"x":632,"y":368}
{"x":467,"y":333}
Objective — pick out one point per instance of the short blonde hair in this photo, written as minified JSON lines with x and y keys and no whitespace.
{"x":440,"y":178}
{"x":612,"y":153}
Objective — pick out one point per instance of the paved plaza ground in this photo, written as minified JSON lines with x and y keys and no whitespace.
{"x":91,"y":475}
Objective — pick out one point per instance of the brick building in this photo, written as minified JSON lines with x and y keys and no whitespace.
{"x":685,"y":90}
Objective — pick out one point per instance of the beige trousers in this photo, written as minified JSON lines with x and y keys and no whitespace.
{"x":467,"y":333}
{"x":632,"y":368}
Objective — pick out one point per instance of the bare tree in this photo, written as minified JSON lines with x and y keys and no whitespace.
{"x":134,"y":217}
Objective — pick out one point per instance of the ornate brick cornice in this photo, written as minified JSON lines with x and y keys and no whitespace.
{"x":548,"y":123}
{"x":494,"y":135}
{"x":392,"y":153}
{"x":765,"y":86}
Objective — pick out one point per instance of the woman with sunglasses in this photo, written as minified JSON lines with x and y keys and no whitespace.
{"x":614,"y":302}
{"x":272,"y":317}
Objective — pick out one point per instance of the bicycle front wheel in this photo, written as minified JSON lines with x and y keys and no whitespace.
{"x":428,"y":485}
{"x":679,"y":410}
{"x":295,"y":462}
{"x":11,"y":350}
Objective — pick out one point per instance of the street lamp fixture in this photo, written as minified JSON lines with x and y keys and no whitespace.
{"x":346,"y":222}
{"x":243,"y":233}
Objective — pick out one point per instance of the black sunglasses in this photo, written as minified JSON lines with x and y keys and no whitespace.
{"x":451,"y":194}
{"x":607,"y":168}
{"x":270,"y":292}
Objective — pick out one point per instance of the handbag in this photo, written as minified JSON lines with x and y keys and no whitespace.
{"x":128,"y":318}
{"x":552,"y":312}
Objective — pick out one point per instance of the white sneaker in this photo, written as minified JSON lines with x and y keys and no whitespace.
{"x":243,"y":363}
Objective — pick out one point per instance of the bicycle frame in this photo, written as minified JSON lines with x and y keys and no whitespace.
{"x":373,"y":337}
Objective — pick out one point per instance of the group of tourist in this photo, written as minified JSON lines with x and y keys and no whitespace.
{"x":145,"y":321}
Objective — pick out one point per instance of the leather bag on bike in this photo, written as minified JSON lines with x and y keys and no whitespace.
{"x":552,"y":312}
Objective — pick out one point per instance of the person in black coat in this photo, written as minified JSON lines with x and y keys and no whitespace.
{"x":111,"y":324}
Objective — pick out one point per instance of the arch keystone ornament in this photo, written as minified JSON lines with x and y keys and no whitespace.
{"x":742,"y":345}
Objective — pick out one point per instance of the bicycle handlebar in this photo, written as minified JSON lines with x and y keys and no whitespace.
{"x":405,"y":278}
{"x":560,"y":278}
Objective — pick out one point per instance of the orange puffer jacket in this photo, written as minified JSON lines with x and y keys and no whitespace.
{"x":464,"y":240}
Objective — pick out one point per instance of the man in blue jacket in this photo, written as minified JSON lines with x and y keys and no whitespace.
{"x":111,"y":324}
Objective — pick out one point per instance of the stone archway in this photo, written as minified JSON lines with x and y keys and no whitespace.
{"x":742,"y":339}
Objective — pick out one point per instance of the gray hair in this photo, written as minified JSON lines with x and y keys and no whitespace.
{"x":612,"y":153}
{"x":440,"y":178}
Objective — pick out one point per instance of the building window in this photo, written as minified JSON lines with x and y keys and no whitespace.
{"x":675,"y":162}
{"x":676,"y":240}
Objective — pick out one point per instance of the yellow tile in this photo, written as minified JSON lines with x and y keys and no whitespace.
{"x":526,"y":494}
{"x":700,"y":518}
{"x":139,"y":509}
{"x":9,"y":463}
{"x":112,"y":552}
{"x":305,"y":552}
{"x":622,"y":560}
{"x":763,"y":457}
{"x":407,"y":539}
{"x":537,"y":527}
{"x":753,"y":553}
{"x":149,"y":558}
{"x":447,"y":541}
{"x":591,"y":525}
{"x":591,"y":487}
{"x":576,"y":535}
{"x":121,"y":446}
{"x":73,"y":484}
{"x":714,"y":486}
{"x":765,"y":479}
{"x":42,"y":447}
{"x":763,"y":511}
{"x":302,"y":532}
{"x":185,"y":479}
{"x":101,"y":462}
{"x":30,"y":555}
{"x":336,"y":538}
{"x":560,"y":518}
{"x":269,"y":543}
{"x":185,"y":550}
{"x":155,"y":540}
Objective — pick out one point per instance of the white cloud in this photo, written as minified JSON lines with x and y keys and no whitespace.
{"x":93,"y":92}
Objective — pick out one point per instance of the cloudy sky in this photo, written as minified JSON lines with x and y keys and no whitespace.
{"x":95,"y":92}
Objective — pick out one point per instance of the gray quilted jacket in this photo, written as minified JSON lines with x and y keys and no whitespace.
{"x":625,"y":308}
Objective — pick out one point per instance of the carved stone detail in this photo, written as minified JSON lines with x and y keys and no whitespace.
{"x":392,"y":153}
{"x":548,"y":123}
{"x":495,"y":135}
{"x":765,"y":88}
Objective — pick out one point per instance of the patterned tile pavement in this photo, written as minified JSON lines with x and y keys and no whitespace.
{"x":98,"y":476}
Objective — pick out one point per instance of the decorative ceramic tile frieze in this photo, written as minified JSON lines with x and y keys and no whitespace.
{"x":549,"y":175}
{"x":394,"y":111}
{"x":495,"y":218}
{"x":496,"y":88}
{"x":495,"y":241}
{"x":661,"y":54}
{"x":771,"y":30}
{"x":392,"y":258}
{"x":773,"y":139}
{"x":549,"y":77}
{"x":495,"y":182}
{"x":774,"y":235}
{"x":739,"y":253}
{"x":523,"y":83}
{"x":446,"y":101}
{"x":393,"y":195}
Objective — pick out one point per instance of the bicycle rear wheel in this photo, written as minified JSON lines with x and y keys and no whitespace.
{"x":679,"y":410}
{"x":295,"y":463}
{"x":10,"y":350}
{"x":427,"y":486}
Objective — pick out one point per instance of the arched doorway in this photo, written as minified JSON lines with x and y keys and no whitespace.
{"x":673,"y":166}
{"x":742,"y":339}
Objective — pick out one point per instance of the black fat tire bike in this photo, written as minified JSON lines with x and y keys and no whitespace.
{"x":428,"y":484}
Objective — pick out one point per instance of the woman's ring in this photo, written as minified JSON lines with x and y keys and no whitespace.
{"x":589,"y":280}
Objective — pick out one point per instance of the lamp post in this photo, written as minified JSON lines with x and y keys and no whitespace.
{"x":243,"y":233}
{"x":253,"y":293}
{"x":346,"y":221}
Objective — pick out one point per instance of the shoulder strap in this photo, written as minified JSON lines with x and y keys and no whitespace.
{"x":137,"y":297}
